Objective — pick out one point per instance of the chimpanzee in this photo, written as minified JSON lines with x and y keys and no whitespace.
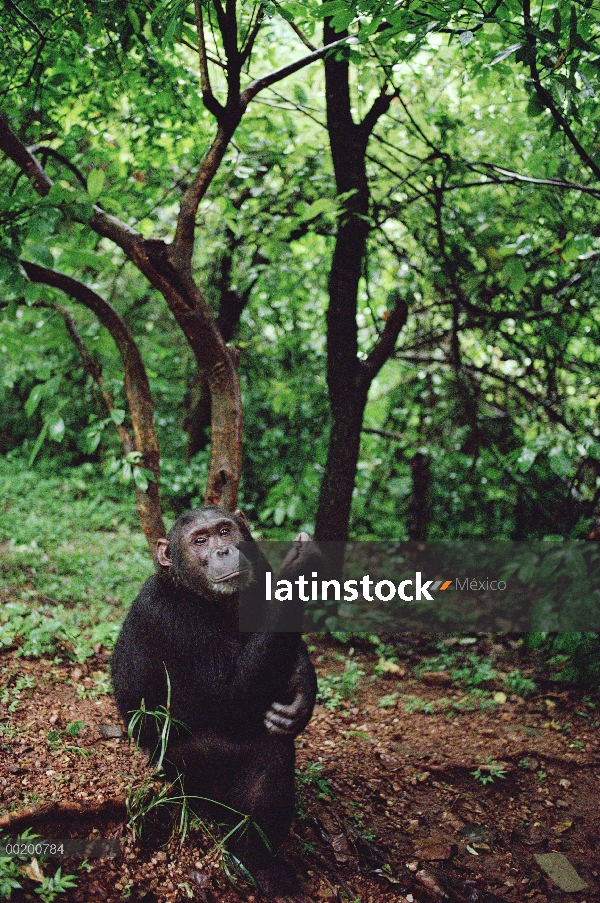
{"x":236,"y":700}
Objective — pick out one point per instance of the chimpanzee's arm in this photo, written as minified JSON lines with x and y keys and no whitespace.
{"x":275,"y":665}
{"x":263,"y":670}
{"x":290,"y":719}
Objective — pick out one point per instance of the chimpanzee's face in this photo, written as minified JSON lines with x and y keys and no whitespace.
{"x":203,"y":554}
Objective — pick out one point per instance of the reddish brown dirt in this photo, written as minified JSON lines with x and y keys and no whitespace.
{"x":391,"y":813}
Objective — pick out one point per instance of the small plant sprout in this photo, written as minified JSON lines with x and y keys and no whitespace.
{"x":487,"y":774}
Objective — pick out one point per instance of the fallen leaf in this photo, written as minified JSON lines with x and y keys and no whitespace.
{"x":388,"y":667}
{"x":560,"y":870}
{"x":33,"y":871}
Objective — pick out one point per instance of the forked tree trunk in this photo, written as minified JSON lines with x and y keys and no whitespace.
{"x":348,"y":378}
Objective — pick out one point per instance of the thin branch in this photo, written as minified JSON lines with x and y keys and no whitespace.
{"x":380,"y":105}
{"x":182,"y":248}
{"x":553,"y":415}
{"x":384,"y":348}
{"x":26,"y":18}
{"x":266,"y":81}
{"x":136,"y":379}
{"x":545,"y":96}
{"x":45,"y":152}
{"x":137,"y":389}
{"x":296,"y":30}
{"x":95,"y":371}
{"x":417,"y":127}
{"x":252,"y":34}
{"x":103,"y":223}
{"x":387,"y":434}
{"x":518,"y":177}
{"x":210,"y":101}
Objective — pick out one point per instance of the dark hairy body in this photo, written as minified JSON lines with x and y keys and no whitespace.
{"x":236,"y":700}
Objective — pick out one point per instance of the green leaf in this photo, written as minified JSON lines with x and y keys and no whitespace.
{"x":95,"y":182}
{"x":526,"y":459}
{"x":75,"y":728}
{"x":140,"y":479}
{"x":32,"y":293}
{"x":515,"y":271}
{"x":559,"y":461}
{"x":322,"y":205}
{"x":90,"y":441}
{"x":39,"y":391}
{"x":41,"y":254}
{"x":117,"y":416}
{"x":133,"y":16}
{"x":465,"y":38}
{"x":38,"y":443}
{"x":504,"y":54}
{"x":35,"y":396}
{"x":81,"y":210}
{"x":56,"y":429}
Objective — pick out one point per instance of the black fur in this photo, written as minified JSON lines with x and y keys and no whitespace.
{"x":222,"y":683}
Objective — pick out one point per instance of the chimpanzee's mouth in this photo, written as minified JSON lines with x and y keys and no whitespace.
{"x":230,"y":575}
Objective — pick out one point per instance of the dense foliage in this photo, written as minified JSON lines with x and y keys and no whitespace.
{"x":482,"y":180}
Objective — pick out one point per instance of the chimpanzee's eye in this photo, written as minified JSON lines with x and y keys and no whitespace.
{"x":200,"y":539}
{"x":225,"y":531}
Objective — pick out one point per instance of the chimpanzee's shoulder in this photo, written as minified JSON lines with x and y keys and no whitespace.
{"x":154,"y":586}
{"x":169,"y":610}
{"x":152,"y":602}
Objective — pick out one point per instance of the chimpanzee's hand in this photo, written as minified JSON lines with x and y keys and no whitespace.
{"x":304,"y":555}
{"x":241,"y":517}
{"x":289,"y":720}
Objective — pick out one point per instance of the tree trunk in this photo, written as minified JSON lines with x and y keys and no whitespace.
{"x":197,"y":421}
{"x":418,"y":507}
{"x":347,"y":394}
{"x":335,"y":501}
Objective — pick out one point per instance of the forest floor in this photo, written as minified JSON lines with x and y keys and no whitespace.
{"x":421,"y":777}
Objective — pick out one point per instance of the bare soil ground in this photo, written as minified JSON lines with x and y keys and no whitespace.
{"x":388,"y":807}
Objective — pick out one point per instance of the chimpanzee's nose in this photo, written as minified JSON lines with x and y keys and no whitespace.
{"x":222,"y":553}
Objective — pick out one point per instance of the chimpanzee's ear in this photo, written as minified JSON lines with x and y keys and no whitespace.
{"x":162,"y":553}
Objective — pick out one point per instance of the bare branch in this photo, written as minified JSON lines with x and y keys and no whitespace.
{"x":297,"y":31}
{"x":387,"y":434}
{"x":26,"y":18}
{"x":95,"y":371}
{"x":229,"y":32}
{"x":380,"y":105}
{"x":512,"y":176}
{"x":417,"y":127}
{"x":252,"y":34}
{"x":266,"y":81}
{"x":210,"y":101}
{"x":45,"y":152}
{"x":384,"y":348}
{"x":183,"y":243}
{"x":26,"y":162}
{"x":545,"y":97}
